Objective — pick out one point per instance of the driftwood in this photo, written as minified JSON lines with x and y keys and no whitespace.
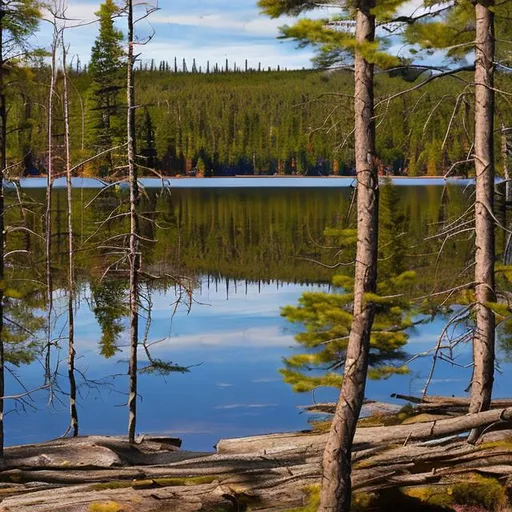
{"x":428,"y":404}
{"x":371,"y":435}
{"x":262,"y":473}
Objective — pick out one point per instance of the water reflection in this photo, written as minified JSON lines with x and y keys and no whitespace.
{"x":245,"y":254}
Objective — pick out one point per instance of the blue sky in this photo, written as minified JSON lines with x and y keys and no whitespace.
{"x":202,"y":29}
{"x":213,"y":30}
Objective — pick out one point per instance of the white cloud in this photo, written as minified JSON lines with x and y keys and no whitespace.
{"x":244,"y":406}
{"x":254,"y":25}
{"x":271,"y":336}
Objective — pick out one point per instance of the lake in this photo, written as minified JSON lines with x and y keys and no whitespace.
{"x":243,"y":253}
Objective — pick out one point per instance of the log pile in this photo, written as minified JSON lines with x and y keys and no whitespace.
{"x":262,"y":473}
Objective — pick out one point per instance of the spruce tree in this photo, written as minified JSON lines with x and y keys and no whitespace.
{"x":107,"y":71}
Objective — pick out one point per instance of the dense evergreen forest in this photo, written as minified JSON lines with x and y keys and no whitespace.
{"x":254,"y":122}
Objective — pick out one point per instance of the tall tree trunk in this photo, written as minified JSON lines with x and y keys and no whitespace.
{"x":73,"y":413}
{"x":505,"y":153}
{"x":484,"y":337}
{"x":48,"y":213}
{"x":3,"y":167}
{"x":336,"y":483}
{"x":133,"y":248}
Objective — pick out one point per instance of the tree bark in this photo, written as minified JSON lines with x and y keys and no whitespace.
{"x":73,"y":413}
{"x":3,"y":166}
{"x":48,"y":214}
{"x":484,"y":337}
{"x":336,"y":483}
{"x":505,"y":153}
{"x":133,"y":256}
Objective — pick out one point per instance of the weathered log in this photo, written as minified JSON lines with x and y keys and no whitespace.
{"x":263,"y":473}
{"x":370,"y":407}
{"x":450,"y":404}
{"x":369,"y":435}
{"x":95,"y":452}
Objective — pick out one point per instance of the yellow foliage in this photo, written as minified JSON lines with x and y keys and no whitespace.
{"x":106,"y":506}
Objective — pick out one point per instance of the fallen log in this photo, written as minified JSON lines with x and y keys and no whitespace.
{"x":370,"y":435}
{"x":262,"y":473}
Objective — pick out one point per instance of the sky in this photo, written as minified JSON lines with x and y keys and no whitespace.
{"x":213,"y":30}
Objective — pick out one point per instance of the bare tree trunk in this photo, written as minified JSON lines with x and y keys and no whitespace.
{"x":133,"y":248}
{"x":336,"y":482}
{"x":3,"y":167}
{"x":48,"y":213}
{"x":505,"y":156}
{"x":484,"y":337}
{"x":73,"y":413}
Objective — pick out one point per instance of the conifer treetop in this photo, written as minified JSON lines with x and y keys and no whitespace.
{"x":333,"y":37}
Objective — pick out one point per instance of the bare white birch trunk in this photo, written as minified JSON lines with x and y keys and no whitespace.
{"x":133,"y":248}
{"x":336,"y":480}
{"x":73,"y":413}
{"x":48,"y":213}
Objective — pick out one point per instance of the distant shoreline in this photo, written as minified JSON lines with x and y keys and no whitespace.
{"x":246,"y":182}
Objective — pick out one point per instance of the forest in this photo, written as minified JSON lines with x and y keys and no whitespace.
{"x":268,"y":122}
{"x":94,"y":274}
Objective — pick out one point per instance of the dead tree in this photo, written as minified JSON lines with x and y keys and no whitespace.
{"x":133,"y":251}
{"x":3,"y":167}
{"x":73,"y":413}
{"x":48,"y":212}
{"x":484,"y":337}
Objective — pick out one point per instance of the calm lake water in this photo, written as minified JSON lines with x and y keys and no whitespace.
{"x":246,"y":253}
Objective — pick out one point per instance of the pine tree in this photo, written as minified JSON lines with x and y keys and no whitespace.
{"x":327,"y":317}
{"x":106,"y":68}
{"x":335,"y":41}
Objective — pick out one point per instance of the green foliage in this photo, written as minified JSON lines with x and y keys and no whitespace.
{"x":109,"y":308}
{"x":163,"y":368}
{"x":254,"y":122}
{"x":106,"y":122}
{"x":334,"y":43}
{"x":327,"y":317}
{"x":20,"y":19}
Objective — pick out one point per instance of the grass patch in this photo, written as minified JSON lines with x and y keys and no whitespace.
{"x":480,"y":491}
{"x":386,"y":419}
{"x":107,"y":506}
{"x":320,"y":426}
{"x":360,"y":501}
{"x":502,"y":443}
{"x":436,"y":496}
{"x":312,"y":493}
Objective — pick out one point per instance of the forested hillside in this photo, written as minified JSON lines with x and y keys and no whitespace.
{"x":288,"y":122}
